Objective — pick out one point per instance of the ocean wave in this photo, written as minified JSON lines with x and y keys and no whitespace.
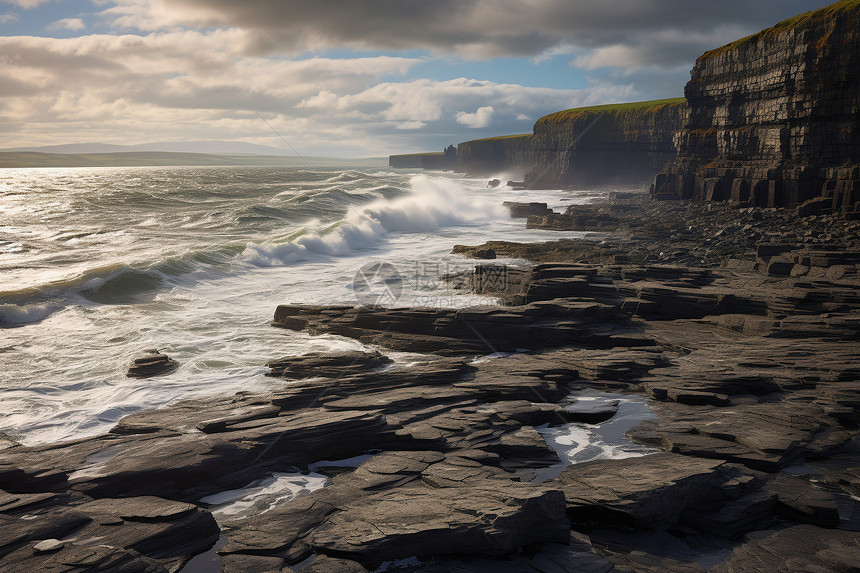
{"x":18,"y":315}
{"x":350,"y":175}
{"x":127,"y":287}
{"x":432,"y":204}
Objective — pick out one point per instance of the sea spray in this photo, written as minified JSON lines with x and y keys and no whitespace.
{"x":432,"y":204}
{"x":164,"y":255}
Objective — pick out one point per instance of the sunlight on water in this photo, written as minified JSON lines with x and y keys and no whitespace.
{"x":98,"y":265}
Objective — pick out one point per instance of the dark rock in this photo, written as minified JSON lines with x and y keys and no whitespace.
{"x":325,"y":564}
{"x":643,"y":492}
{"x":257,"y":564}
{"x":801,"y":502}
{"x":326,"y":365}
{"x":452,"y":520}
{"x":153,"y":364}
{"x":798,"y":548}
{"x":525,"y":210}
{"x":590,"y":412}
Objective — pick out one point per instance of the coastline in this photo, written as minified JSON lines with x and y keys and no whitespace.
{"x":746,"y":348}
{"x":675,"y":391}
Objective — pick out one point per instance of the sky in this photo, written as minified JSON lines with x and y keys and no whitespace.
{"x":346,"y":78}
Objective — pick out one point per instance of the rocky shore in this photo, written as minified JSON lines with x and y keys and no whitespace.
{"x":739,"y":328}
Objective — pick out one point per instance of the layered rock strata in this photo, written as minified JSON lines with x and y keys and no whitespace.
{"x":775,"y":118}
{"x":750,"y":367}
{"x":618,"y":143}
{"x":496,"y":154}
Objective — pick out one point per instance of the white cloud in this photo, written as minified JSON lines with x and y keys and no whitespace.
{"x":409,"y":125}
{"x":67,"y":24}
{"x":26,"y":3}
{"x":187,"y":85}
{"x":481,"y":118}
{"x":8,"y":17}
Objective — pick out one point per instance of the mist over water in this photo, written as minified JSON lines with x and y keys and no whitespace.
{"x":97,"y":265}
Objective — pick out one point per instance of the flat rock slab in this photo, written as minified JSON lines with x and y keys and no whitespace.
{"x":423,"y":522}
{"x":642,"y":492}
{"x":798,"y":548}
{"x":144,"y":508}
{"x":800,"y":501}
{"x":332,"y":365}
{"x":591,"y":412}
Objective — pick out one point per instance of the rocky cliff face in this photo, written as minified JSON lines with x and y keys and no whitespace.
{"x":775,"y":118}
{"x":495,"y":154}
{"x":591,"y":145}
{"x":610,"y":143}
{"x":445,"y":160}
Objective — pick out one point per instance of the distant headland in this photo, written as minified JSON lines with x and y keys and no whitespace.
{"x":772,"y":119}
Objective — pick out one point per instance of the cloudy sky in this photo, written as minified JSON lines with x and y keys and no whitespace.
{"x":342,"y":77}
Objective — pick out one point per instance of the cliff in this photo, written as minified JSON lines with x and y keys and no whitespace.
{"x":622,"y":143}
{"x":491,"y":155}
{"x":627,"y":143}
{"x":445,"y":159}
{"x":775,"y":117}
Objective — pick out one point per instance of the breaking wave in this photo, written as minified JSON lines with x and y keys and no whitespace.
{"x":433,"y":204}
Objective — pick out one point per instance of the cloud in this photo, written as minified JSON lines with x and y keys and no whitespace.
{"x":8,"y":17}
{"x":26,"y":4}
{"x":187,"y":85}
{"x":408,"y":125}
{"x":205,"y":69}
{"x":645,"y":32}
{"x":481,"y":118}
{"x":67,"y":24}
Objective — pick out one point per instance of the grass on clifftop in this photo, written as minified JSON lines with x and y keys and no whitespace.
{"x":616,"y":109}
{"x":807,"y":18}
{"x":499,"y":137}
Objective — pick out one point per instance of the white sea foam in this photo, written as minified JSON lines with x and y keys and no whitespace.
{"x":13,"y":314}
{"x":205,"y":295}
{"x":433,"y":204}
{"x":262,"y":495}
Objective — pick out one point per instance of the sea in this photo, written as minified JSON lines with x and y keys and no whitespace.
{"x":99,"y":265}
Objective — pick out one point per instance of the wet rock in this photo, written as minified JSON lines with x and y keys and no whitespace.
{"x":451,"y":520}
{"x":591,"y":412}
{"x":525,"y":210}
{"x":643,"y":492}
{"x":798,"y":548}
{"x":152,"y":364}
{"x":747,"y":368}
{"x":326,"y":365}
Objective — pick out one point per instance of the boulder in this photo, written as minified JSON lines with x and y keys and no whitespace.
{"x":153,"y":363}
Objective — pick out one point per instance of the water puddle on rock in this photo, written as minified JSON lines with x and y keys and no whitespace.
{"x":262,"y":495}
{"x":275,"y":489}
{"x":580,"y":442}
{"x":208,"y":561}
